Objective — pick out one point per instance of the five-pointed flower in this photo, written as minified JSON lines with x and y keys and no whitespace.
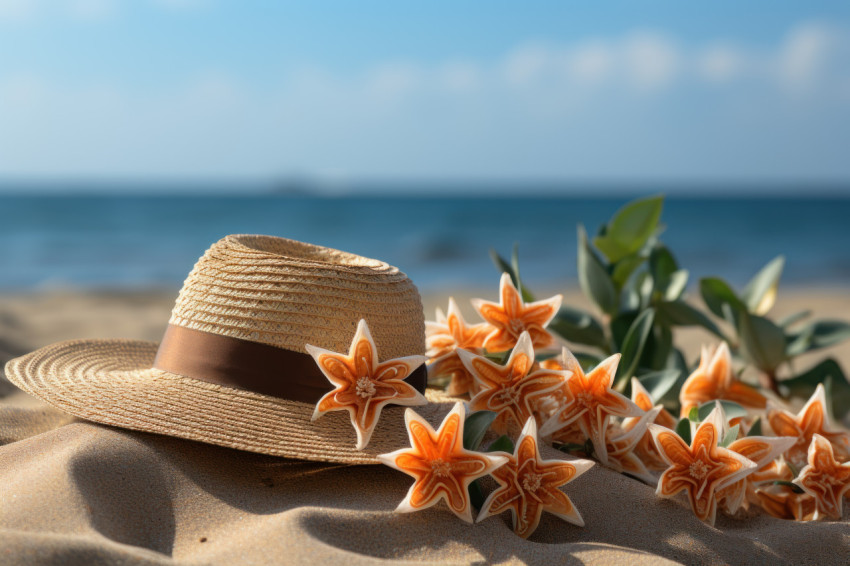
{"x":528,"y":486}
{"x":591,"y":402}
{"x":812,"y":419}
{"x":510,"y":390}
{"x":703,"y":468}
{"x":622,"y":446}
{"x":714,"y":379}
{"x":362,"y":385}
{"x":645,"y":449}
{"x":444,"y":337}
{"x":763,"y":450}
{"x":825,"y":479}
{"x":781,"y":501}
{"x":511,"y":316}
{"x":443,"y":468}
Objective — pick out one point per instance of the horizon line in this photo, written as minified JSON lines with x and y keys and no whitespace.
{"x":308,"y":186}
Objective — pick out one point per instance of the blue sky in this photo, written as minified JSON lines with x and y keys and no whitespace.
{"x":622,"y":92}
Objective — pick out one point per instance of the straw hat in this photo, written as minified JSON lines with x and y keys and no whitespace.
{"x":263,"y":298}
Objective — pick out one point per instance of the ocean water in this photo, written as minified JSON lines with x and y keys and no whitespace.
{"x":441,"y":243}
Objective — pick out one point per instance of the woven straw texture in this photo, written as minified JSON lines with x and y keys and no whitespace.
{"x":286,"y":293}
{"x":269,"y":290}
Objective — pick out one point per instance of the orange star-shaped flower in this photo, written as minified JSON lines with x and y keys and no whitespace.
{"x":783,"y":502}
{"x":442,"y":467}
{"x":703,"y":468}
{"x":528,"y":486}
{"x":763,"y":451}
{"x":591,"y":402}
{"x":825,"y":478}
{"x":645,"y":448}
{"x":714,"y":379}
{"x":444,"y":337}
{"x":622,"y":446}
{"x":812,"y":419}
{"x":362,"y":385}
{"x":511,"y":317}
{"x":510,"y":390}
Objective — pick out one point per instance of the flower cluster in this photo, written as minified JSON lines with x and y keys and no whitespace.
{"x":504,"y":323}
{"x":444,"y":470}
{"x":734,"y":446}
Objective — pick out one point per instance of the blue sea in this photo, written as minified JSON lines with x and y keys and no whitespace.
{"x":442,"y":243}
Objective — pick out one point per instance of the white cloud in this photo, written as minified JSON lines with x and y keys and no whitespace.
{"x":806,"y":54}
{"x":651,"y":60}
{"x":392,"y":80}
{"x":597,"y":107}
{"x":720,"y":63}
{"x":527,"y":64}
{"x":459,"y":77}
{"x":591,"y":62}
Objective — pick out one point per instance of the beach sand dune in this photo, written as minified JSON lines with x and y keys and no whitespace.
{"x":73,"y":492}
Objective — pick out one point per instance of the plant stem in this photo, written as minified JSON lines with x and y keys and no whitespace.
{"x":768,"y":381}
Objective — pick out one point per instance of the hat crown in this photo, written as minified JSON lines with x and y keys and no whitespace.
{"x":287,"y":294}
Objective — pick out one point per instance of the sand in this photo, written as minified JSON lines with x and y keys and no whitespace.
{"x":73,"y":492}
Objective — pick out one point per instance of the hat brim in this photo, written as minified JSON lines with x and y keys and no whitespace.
{"x":112,"y":382}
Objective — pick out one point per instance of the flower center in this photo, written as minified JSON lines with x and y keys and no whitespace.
{"x":365,"y":388}
{"x":508,"y":395}
{"x":441,"y":468}
{"x":830,"y":480}
{"x":531,"y":482}
{"x":698,"y":469}
{"x":585,"y":399}
{"x":517,"y":326}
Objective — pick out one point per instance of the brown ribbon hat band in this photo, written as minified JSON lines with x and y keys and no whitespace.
{"x":261,"y":368}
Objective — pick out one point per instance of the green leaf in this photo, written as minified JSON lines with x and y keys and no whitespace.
{"x":637,"y":295}
{"x":677,"y":284}
{"x":662,"y":264}
{"x":570,"y":447}
{"x":502,"y":265}
{"x":762,"y":342}
{"x":791,"y":319}
{"x":730,"y":408}
{"x":683,"y":429}
{"x":501,"y":444}
{"x":803,"y":385}
{"x":693,"y":415}
{"x":760,"y":292}
{"x":658,"y":383}
{"x":630,"y":228}
{"x":658,"y":347}
{"x":818,"y":334}
{"x":579,"y":327}
{"x":730,"y":436}
{"x":794,"y":487}
{"x":645,"y":285}
{"x":624,"y":268}
{"x":500,"y":358}
{"x":476,"y":495}
{"x":512,"y":269}
{"x":593,"y":277}
{"x":475,"y":427}
{"x":633,"y":347}
{"x":755,"y":430}
{"x":619,"y":326}
{"x":526,"y":295}
{"x":680,"y":313}
{"x":715,"y":293}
